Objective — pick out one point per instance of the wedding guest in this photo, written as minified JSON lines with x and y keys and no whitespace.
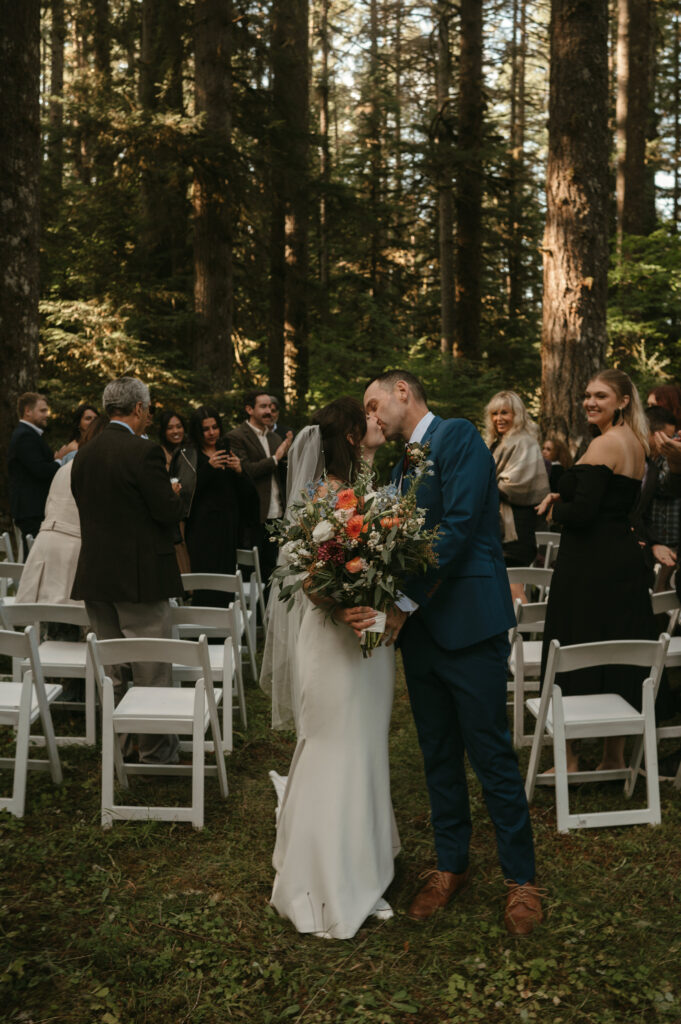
{"x":657,"y":516}
{"x":51,"y":563}
{"x":260,"y":451}
{"x":31,"y":464}
{"x":126,"y":568}
{"x":84,"y":415}
{"x":224,"y":505}
{"x":521,"y":477}
{"x":277,"y":426}
{"x":172,"y":431}
{"x":669,"y":397}
{"x":594,"y":505}
{"x":557,"y":456}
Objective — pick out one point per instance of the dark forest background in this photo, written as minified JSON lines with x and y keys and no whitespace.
{"x":294,"y":194}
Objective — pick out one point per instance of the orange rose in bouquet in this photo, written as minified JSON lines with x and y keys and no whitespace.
{"x":346,"y":499}
{"x":355,"y":526}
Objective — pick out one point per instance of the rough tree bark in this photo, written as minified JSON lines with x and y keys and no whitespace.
{"x":445,"y":192}
{"x":164,"y":185}
{"x":468,"y":199}
{"x":20,"y":205}
{"x":634,"y":77}
{"x":211,"y":195}
{"x":55,"y":140}
{"x":576,"y":235}
{"x":324,"y":154}
{"x":517,"y":161}
{"x":288,"y":340}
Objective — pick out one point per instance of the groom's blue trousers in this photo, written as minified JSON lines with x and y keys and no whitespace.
{"x":458,"y":700}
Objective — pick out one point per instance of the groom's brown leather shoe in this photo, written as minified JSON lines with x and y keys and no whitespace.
{"x":436,"y":893}
{"x":523,"y":908}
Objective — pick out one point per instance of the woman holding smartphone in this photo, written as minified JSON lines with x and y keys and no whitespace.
{"x":224,"y":505}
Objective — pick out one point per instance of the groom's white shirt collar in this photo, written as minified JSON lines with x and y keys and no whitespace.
{"x":421,"y":427}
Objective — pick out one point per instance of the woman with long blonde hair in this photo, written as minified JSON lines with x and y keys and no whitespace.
{"x":521,"y":477}
{"x":599,"y":589}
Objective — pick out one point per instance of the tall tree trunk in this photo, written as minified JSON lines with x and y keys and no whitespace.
{"x":576,"y":235}
{"x":469,"y":183}
{"x":212,"y":201}
{"x":633,"y":116}
{"x":101,"y":35}
{"x":20,"y":205}
{"x":445,"y":192}
{"x":164,"y":185}
{"x":288,"y":350}
{"x":517,"y":160}
{"x":324,"y":154}
{"x":374,"y":141}
{"x":676,"y":194}
{"x":55,"y":148}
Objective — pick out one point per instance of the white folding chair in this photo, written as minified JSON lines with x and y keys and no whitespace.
{"x":10,"y":574}
{"x":254,"y":587}
{"x":593,"y":716}
{"x":525,"y":663}
{"x":530,"y":577}
{"x":189,"y":622}
{"x":21,"y":704}
{"x":157,"y":709}
{"x":550,"y":541}
{"x":6,"y":547}
{"x":668,"y":601}
{"x":59,"y":659}
{"x":232,"y":584}
{"x":19,"y":544}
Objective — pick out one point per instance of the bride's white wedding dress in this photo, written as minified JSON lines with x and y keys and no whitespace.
{"x":336,"y":832}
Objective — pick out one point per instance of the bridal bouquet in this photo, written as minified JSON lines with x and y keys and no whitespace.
{"x":358,"y":544}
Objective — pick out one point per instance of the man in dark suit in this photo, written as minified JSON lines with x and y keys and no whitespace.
{"x":455,"y":649}
{"x":261,"y":451}
{"x":127,"y":567}
{"x":32,"y":464}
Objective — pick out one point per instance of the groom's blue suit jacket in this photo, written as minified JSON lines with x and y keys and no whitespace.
{"x":466,"y":598}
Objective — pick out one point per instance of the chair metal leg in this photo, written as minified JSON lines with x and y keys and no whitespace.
{"x":109,"y":738}
{"x":198,"y":755}
{"x":18,"y":801}
{"x":560,"y":762}
{"x":650,"y":744}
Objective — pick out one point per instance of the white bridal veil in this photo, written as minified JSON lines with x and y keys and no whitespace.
{"x":279,"y":673}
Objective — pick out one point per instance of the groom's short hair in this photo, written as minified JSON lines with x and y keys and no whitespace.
{"x":390,"y":378}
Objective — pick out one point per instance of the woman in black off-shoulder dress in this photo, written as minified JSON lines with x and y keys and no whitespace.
{"x":599,"y":589}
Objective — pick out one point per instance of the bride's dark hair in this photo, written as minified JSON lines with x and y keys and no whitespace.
{"x":339,"y":420}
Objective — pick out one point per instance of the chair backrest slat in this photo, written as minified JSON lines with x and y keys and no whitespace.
{"x":19,"y":615}
{"x":648,"y":654}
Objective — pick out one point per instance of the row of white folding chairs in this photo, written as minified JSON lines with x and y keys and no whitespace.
{"x":7,"y":548}
{"x":141,"y":709}
{"x":67,"y":659}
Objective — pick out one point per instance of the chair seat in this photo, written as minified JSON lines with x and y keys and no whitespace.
{"x":10,"y":700}
{"x":604,"y":712}
{"x":64,"y":654}
{"x":170,"y":708}
{"x":531,"y":656}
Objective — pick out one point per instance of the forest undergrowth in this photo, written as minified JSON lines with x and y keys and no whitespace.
{"x":152,"y":923}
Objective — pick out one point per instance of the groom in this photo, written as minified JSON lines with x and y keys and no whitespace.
{"x":453,"y":626}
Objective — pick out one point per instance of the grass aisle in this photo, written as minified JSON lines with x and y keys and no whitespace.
{"x":153,"y":923}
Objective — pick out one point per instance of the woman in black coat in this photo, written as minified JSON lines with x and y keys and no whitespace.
{"x":224,"y":506}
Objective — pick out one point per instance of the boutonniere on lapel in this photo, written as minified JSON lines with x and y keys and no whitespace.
{"x":416,"y":458}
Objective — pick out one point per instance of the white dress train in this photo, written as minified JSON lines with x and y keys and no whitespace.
{"x":336,"y":832}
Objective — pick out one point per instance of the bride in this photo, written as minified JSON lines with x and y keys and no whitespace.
{"x":336,"y":833}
